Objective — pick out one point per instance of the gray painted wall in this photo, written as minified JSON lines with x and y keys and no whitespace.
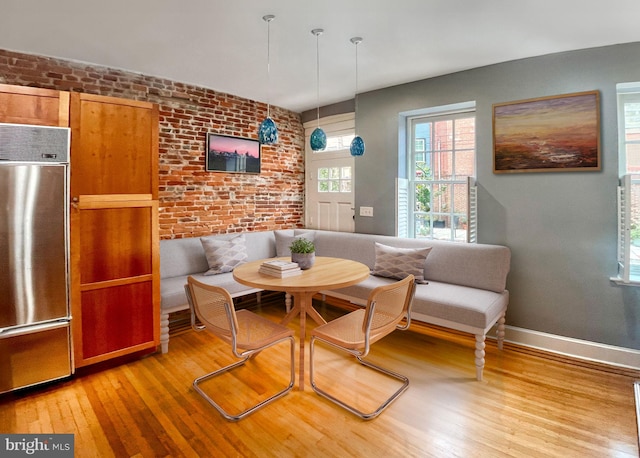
{"x":561,"y":227}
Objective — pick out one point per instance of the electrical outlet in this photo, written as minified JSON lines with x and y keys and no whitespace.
{"x":366,"y":211}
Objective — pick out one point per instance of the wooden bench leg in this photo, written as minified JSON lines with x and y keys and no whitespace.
{"x":500,"y":331}
{"x":480,"y":346}
{"x":479,"y":355}
{"x":164,"y":332}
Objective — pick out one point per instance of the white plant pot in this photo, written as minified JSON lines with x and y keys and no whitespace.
{"x":304,"y":260}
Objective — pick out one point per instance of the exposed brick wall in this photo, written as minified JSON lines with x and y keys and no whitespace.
{"x":192,"y":202}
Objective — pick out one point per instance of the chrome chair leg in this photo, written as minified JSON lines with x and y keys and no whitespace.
{"x":345,"y":405}
{"x":250,"y":410}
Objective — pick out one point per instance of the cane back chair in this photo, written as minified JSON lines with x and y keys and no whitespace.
{"x":246,"y":332}
{"x":388,"y":308}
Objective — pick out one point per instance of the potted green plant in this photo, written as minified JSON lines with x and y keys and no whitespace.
{"x":303,"y":252}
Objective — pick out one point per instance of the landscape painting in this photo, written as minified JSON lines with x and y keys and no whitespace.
{"x":549,"y":134}
{"x":232,"y":154}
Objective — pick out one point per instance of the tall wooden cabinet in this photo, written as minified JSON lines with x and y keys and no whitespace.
{"x":29,"y":105}
{"x":115,"y":289}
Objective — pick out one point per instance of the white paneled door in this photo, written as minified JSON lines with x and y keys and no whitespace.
{"x":330,"y":196}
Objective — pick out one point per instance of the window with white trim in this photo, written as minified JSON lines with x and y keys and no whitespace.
{"x":441,"y":157}
{"x":334,"y":179}
{"x":629,"y":187}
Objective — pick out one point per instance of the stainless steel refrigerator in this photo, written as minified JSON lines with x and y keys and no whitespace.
{"x":35,"y":334}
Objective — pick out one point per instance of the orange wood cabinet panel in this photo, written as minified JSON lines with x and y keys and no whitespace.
{"x":28,"y":105}
{"x":121,"y":238}
{"x":114,"y":146}
{"x":115,"y":280}
{"x":125,"y":305}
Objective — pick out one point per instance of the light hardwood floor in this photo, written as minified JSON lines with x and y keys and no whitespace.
{"x":526,"y":406}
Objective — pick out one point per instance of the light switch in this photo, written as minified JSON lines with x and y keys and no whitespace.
{"x":366,"y":211}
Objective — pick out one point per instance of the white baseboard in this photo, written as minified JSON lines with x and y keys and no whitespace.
{"x":575,"y":348}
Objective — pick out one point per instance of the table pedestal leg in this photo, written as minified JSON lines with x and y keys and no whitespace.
{"x":302,"y":305}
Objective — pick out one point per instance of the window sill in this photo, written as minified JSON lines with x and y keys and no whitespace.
{"x":620,"y":282}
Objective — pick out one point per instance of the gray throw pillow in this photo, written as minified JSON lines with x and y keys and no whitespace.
{"x":283,"y":242}
{"x":398,"y":263}
{"x":224,"y":255}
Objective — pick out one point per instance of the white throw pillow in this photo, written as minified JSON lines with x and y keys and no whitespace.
{"x":224,"y":255}
{"x":398,"y":263}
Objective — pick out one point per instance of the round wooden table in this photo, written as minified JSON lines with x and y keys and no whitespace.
{"x":326,"y":273}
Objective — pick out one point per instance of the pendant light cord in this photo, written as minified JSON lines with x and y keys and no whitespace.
{"x":357,"y":68}
{"x":268,"y":18}
{"x":269,"y":68}
{"x":356,"y":41}
{"x":356,"y":95}
{"x":318,"y":32}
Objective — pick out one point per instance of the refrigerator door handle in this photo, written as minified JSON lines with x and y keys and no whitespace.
{"x":25,"y":330}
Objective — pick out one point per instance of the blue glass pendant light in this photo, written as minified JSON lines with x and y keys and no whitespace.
{"x":318,"y":140}
{"x":357,"y":144}
{"x":268,"y":131}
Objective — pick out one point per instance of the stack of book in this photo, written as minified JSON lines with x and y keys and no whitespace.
{"x":277,"y":268}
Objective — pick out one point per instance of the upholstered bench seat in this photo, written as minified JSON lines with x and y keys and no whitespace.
{"x":472,"y":307}
{"x":461,"y":286}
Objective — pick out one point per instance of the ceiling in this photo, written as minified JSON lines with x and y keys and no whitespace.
{"x":222,"y":44}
